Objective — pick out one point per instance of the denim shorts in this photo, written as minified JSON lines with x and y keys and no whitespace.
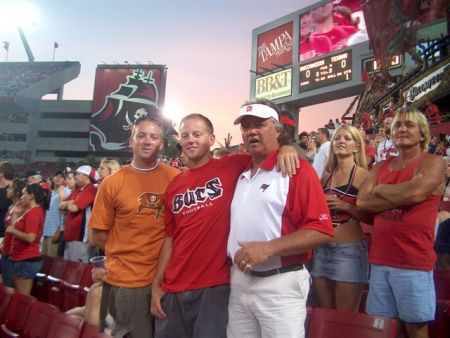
{"x":401,"y":293}
{"x":341,"y":262}
{"x":26,"y":269}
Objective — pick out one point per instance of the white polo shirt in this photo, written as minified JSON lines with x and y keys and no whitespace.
{"x":268,"y":206}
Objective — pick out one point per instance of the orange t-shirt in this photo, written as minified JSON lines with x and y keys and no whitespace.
{"x":130,"y":206}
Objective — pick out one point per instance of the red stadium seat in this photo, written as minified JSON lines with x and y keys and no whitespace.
{"x":440,"y":328}
{"x":5,"y":297}
{"x":18,"y":309}
{"x":91,"y":331}
{"x":42,"y":284}
{"x":75,"y":294}
{"x":442,"y":283}
{"x":39,"y":320}
{"x":72,"y":275}
{"x":66,"y":326}
{"x":330,"y":323}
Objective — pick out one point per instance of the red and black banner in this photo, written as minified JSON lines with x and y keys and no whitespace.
{"x":123,"y":94}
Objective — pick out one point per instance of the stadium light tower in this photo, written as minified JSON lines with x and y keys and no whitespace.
{"x":25,"y":44}
{"x":19,"y":13}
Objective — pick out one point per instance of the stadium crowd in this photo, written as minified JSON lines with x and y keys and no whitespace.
{"x":217,"y":244}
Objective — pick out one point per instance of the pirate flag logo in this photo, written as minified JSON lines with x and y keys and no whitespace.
{"x":133,"y":100}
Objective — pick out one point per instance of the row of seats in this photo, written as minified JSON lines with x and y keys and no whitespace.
{"x":25,"y":317}
{"x":62,"y":283}
{"x":331,"y":323}
{"x":65,"y":284}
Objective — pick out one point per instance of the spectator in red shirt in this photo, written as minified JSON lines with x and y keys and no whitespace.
{"x":432,"y":113}
{"x":325,"y":26}
{"x":311,"y":45}
{"x":26,"y":235}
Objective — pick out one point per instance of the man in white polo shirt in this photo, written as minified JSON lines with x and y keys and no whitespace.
{"x":275,"y":222}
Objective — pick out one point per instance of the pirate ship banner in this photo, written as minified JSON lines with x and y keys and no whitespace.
{"x":122,"y":95}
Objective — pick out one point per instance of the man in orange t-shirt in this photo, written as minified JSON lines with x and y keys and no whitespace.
{"x":128,"y":223}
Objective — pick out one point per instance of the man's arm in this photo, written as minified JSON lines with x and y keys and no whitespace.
{"x":157,"y":292}
{"x":72,"y":207}
{"x":369,"y":202}
{"x":98,"y":238}
{"x":295,"y":243}
{"x":288,"y":159}
{"x":429,"y":177}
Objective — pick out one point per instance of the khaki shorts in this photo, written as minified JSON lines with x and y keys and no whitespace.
{"x":130,"y":308}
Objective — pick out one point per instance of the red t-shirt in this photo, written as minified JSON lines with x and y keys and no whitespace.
{"x":370,"y":153}
{"x":433,"y":114}
{"x":7,"y":239}
{"x":314,"y":45}
{"x":198,"y":219}
{"x":30,"y":222}
{"x":404,"y":237}
{"x":339,"y":36}
{"x":76,"y":221}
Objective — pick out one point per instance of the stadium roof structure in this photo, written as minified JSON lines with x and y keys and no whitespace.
{"x":23,"y":84}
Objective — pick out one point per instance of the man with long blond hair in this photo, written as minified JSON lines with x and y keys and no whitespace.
{"x":404,"y":194}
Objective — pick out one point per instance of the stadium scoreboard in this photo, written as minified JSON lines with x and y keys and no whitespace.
{"x":325,"y":71}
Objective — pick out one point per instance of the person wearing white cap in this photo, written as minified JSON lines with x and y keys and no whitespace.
{"x":78,"y":208}
{"x":269,"y":284}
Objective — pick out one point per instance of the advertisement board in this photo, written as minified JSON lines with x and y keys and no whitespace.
{"x":331,"y":27}
{"x":274,"y":48}
{"x":274,"y":86}
{"x":123,"y":94}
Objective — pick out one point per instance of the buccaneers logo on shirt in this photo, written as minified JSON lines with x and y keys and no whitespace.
{"x":198,"y":196}
{"x":152,"y":202}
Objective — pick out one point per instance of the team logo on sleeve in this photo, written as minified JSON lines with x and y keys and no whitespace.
{"x":198,"y":196}
{"x":152,"y":202}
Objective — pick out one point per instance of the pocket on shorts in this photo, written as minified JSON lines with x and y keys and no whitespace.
{"x":356,"y":251}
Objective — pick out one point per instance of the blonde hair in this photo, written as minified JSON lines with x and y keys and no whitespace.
{"x":360,"y":156}
{"x":110,"y":164}
{"x":416,"y":116}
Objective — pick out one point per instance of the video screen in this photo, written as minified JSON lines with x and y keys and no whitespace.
{"x":331,"y":27}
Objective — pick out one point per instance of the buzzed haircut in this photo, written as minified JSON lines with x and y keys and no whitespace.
{"x":155,"y":119}
{"x":7,"y":169}
{"x":206,"y":121}
{"x":325,"y":132}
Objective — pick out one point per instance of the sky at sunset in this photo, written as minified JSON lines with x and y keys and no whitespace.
{"x":206,"y":46}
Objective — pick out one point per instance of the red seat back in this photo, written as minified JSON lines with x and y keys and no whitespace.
{"x":58,"y":267}
{"x":330,"y":323}
{"x":86,"y":278}
{"x":66,"y":326}
{"x":442,"y":283}
{"x":74,"y":272}
{"x":47,"y":262}
{"x":39,"y":320}
{"x":18,"y":309}
{"x":5,"y":298}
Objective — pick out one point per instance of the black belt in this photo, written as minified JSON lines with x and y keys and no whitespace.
{"x":273,"y":272}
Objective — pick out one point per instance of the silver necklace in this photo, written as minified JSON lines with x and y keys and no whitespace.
{"x":143,"y":169}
